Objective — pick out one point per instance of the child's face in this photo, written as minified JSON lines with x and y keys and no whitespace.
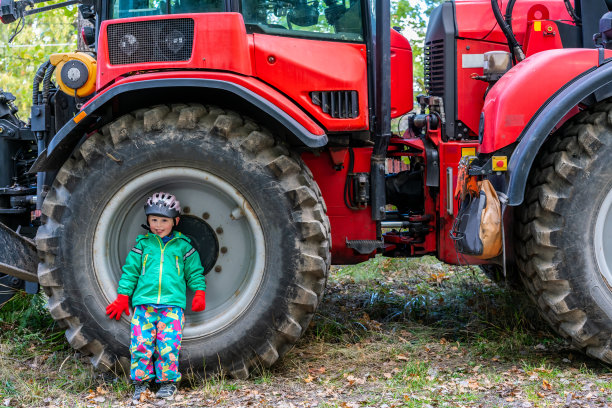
{"x":161,"y":226}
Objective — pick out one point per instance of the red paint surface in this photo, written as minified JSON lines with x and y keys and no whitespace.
{"x":518,"y":95}
{"x":475,"y":19}
{"x":252,"y":84}
{"x":471,"y":91}
{"x":220,"y":42}
{"x":345,"y":223}
{"x":401,"y":75}
{"x":302,"y":66}
{"x":547,"y":38}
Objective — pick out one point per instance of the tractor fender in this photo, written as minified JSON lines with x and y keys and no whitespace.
{"x":124,"y":96}
{"x":590,"y":87}
{"x":546,"y":97}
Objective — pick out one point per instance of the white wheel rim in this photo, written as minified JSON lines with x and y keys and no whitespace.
{"x":229,"y":292}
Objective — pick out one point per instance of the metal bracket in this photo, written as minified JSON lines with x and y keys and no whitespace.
{"x":364,"y":246}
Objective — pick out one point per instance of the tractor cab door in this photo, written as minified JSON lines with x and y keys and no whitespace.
{"x":315,"y":53}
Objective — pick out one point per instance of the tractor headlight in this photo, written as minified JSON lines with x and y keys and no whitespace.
{"x":128,"y":44}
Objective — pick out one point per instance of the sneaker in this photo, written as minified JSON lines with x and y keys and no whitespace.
{"x":167,"y":390}
{"x":139,"y":388}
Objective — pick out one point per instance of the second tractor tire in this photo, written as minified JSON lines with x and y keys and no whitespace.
{"x":564,"y":232}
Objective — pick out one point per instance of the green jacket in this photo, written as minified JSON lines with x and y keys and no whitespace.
{"x":155,"y":273}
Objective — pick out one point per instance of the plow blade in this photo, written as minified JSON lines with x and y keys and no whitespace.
{"x":18,"y":255}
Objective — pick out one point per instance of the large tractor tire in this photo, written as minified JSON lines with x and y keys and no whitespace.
{"x":564,"y":241}
{"x":253,"y":211}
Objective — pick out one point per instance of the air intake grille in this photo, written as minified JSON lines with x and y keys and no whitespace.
{"x":337,"y":104}
{"x":150,"y":41}
{"x":434,"y":67}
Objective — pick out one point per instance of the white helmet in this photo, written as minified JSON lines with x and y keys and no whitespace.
{"x":163,"y":204}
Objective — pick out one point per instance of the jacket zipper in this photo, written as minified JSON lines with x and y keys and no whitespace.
{"x":144,"y":265}
{"x":178,"y":268}
{"x":161,"y":265}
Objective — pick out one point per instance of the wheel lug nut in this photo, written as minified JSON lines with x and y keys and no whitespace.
{"x":219,"y":230}
{"x":206,"y":216}
{"x":186,"y":210}
{"x":218,"y":268}
{"x":223,"y":250}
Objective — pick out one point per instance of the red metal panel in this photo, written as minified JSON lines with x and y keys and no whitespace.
{"x":542,"y":36}
{"x":300,"y":66}
{"x":450,"y":154}
{"x":220,"y":42}
{"x":471,"y":90}
{"x":251,"y":84}
{"x":518,"y":95}
{"x":345,"y":223}
{"x":475,"y":18}
{"x":401,"y":75}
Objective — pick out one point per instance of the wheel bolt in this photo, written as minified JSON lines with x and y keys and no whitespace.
{"x":223,"y":250}
{"x":206,"y":216}
{"x":218,"y":268}
{"x":219,"y":230}
{"x":186,"y":210}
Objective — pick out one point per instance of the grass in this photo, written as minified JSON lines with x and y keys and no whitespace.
{"x":400,"y":332}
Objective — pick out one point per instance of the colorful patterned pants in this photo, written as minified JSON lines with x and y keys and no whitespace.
{"x":157,"y":333}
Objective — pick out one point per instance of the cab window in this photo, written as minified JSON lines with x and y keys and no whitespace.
{"x":137,"y":8}
{"x":326,"y":19}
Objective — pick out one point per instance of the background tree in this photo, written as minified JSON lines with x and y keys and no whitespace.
{"x":412,"y":16}
{"x":41,"y":35}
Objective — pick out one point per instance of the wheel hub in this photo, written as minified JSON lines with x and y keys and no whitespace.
{"x":203,"y":239}
{"x":224,"y":228}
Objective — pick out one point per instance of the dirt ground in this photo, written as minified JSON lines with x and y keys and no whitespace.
{"x":392,"y":336}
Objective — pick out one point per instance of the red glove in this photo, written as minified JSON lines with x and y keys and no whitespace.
{"x":199,"y":301}
{"x":120,"y":305}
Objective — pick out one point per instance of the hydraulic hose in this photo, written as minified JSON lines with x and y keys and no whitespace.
{"x":47,"y":84}
{"x":515,"y":47}
{"x":508,"y":15}
{"x":40,"y":74}
{"x":572,"y":12}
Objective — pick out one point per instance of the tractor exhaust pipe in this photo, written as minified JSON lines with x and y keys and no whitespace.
{"x":18,"y":257}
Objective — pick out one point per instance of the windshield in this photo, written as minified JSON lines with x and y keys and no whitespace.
{"x":137,"y":8}
{"x":328,"y":19}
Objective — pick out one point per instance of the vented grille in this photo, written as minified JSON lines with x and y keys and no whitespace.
{"x":337,"y":104}
{"x":434,"y":67}
{"x":150,"y":41}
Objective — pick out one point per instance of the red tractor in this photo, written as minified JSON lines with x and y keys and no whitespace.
{"x":270,"y":120}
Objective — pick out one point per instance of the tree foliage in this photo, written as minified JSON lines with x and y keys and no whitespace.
{"x":42,"y":35}
{"x":411,"y":16}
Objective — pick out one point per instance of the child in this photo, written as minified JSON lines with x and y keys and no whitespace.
{"x":155,"y":275}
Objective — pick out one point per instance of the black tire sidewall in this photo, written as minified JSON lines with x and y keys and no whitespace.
{"x":589,"y":290}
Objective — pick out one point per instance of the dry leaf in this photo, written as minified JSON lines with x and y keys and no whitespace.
{"x":309,"y":379}
{"x":402,"y":357}
{"x":546,"y":385}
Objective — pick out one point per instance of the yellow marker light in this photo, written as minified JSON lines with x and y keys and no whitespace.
{"x":537,"y":26}
{"x":468,"y":151}
{"x":79,"y":117}
{"x":500,"y":163}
